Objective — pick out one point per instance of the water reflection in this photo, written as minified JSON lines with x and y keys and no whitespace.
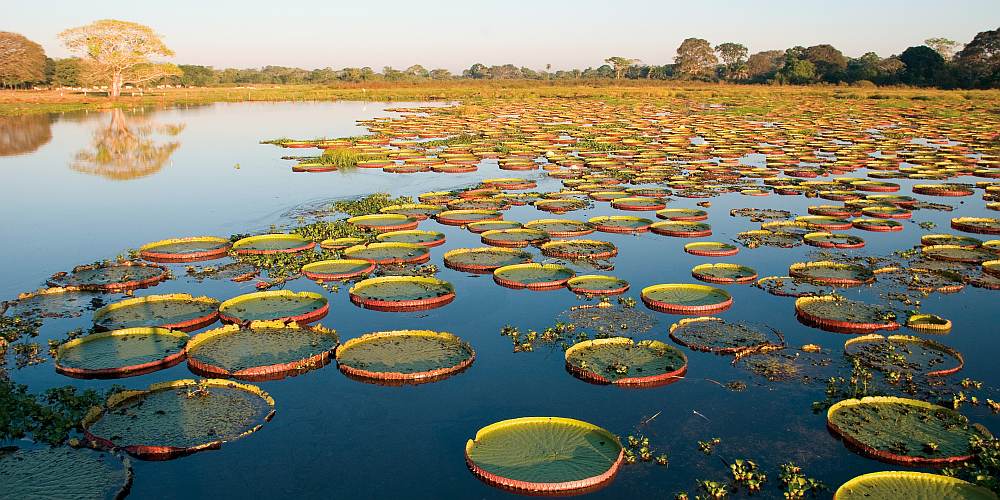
{"x":24,"y":134}
{"x":130,"y":147}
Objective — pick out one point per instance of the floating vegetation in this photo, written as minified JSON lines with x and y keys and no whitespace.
{"x":50,"y":303}
{"x":724,"y":273}
{"x":956,"y":253}
{"x":177,"y":311}
{"x":622,"y":361}
{"x":190,"y":249}
{"x":121,"y":353}
{"x":831,"y":240}
{"x":908,"y":484}
{"x":904,"y":354}
{"x":177,"y":418}
{"x":763,"y":237}
{"x":544,"y":456}
{"x":760,"y":214}
{"x":607,"y":320}
{"x":404,"y":357}
{"x":484,"y":259}
{"x":111,"y":276}
{"x":402,"y":293}
{"x":533,"y":276}
{"x":266,"y":244}
{"x":371,"y":204}
{"x":710,"y":334}
{"x":277,"y":305}
{"x":905,"y":431}
{"x":261,"y":350}
{"x":681,"y":229}
{"x":837,"y":314}
{"x":676,"y":298}
{"x":63,"y":473}
{"x":383,"y":223}
{"x":48,"y":417}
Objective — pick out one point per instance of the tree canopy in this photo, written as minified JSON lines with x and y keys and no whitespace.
{"x":696,"y":58}
{"x":120,"y":52}
{"x":21,"y":60}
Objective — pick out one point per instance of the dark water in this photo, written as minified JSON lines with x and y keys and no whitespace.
{"x":335,"y":437}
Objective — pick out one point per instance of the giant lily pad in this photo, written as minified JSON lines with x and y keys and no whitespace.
{"x":337,"y":269}
{"x":63,"y":473}
{"x":172,"y":419}
{"x":620,"y":224}
{"x":579,"y":249}
{"x":284,"y":305}
{"x":111,"y":277}
{"x":831,"y":273}
{"x":561,"y":228}
{"x":716,"y":335}
{"x":905,"y":431}
{"x":404,"y":357}
{"x":423,"y":238}
{"x":533,"y":276}
{"x":178,"y":311}
{"x":484,"y":259}
{"x":389,"y":253}
{"x":272,"y":243}
{"x":596,"y":284}
{"x":681,"y":298}
{"x":121,"y":353}
{"x":188,"y":249}
{"x":904,"y":353}
{"x":261,"y":350}
{"x":544,"y":456}
{"x":514,"y":238}
{"x":724,"y":272}
{"x":402,"y":293}
{"x":889,"y":485}
{"x":622,"y":361}
{"x":838,"y":314}
{"x":384,"y":222}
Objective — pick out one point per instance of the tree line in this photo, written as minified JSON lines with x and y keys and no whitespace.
{"x":118,"y":53}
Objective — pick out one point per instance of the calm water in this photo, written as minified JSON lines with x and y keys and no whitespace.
{"x":335,"y":437}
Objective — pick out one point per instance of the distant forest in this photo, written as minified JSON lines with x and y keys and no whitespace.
{"x":939,"y":63}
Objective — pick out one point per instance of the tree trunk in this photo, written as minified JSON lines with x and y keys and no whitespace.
{"x":116,"y":85}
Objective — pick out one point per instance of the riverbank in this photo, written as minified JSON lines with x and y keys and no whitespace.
{"x":24,"y":102}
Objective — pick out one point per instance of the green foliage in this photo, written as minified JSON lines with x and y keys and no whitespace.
{"x":325,"y":230}
{"x":47,"y":418}
{"x":370,"y":204}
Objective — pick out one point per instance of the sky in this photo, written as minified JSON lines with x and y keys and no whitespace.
{"x":455,"y":34}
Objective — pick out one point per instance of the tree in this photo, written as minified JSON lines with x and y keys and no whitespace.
{"x":440,"y":74}
{"x":797,"y":71}
{"x":620,"y":65}
{"x":417,"y":71}
{"x":119,"y":52}
{"x":943,"y":46}
{"x":477,"y":72}
{"x":696,"y":58}
{"x":734,"y":56}
{"x":762,"y":66}
{"x":979,"y":61}
{"x":923,"y":65}
{"x":21,"y":60}
{"x":196,"y":76}
{"x":829,"y":62}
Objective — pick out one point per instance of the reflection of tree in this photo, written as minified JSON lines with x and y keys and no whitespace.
{"x":127,"y":148}
{"x":24,"y":134}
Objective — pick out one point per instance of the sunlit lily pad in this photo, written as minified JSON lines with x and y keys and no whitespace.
{"x":177,"y":418}
{"x":831,"y":273}
{"x":544,"y":456}
{"x":484,"y":259}
{"x":579,"y":249}
{"x":121,"y":353}
{"x":905,"y":354}
{"x":682,"y":298}
{"x":955,"y":253}
{"x":533,"y":276}
{"x":463,"y":217}
{"x":337,"y":269}
{"x":402,"y":293}
{"x":111,"y":277}
{"x":681,"y":229}
{"x":596,"y":284}
{"x":716,"y":335}
{"x":724,"y":272}
{"x":272,"y":243}
{"x":284,"y":305}
{"x":980,"y":225}
{"x":423,"y":238}
{"x":178,"y":311}
{"x":711,"y":249}
{"x":622,"y":361}
{"x":389,"y":253}
{"x":787,"y":286}
{"x":404,"y":357}
{"x":561,"y":228}
{"x":838,"y":314}
{"x":890,"y":485}
{"x":621,"y":224}
{"x":905,"y":431}
{"x":188,"y":249}
{"x":514,"y":238}
{"x":832,"y":240}
{"x":261,"y":350}
{"x":682,"y":214}
{"x":492,"y":225}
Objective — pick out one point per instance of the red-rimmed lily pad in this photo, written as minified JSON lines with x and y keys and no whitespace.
{"x":545,"y":456}
{"x":624,"y":362}
{"x":597,"y":284}
{"x":903,"y":431}
{"x":188,"y":249}
{"x":278,"y":305}
{"x":533,"y":276}
{"x":121,"y":353}
{"x":404,"y":357}
{"x":980,"y":225}
{"x":272,"y":243}
{"x":514,"y":238}
{"x":111,"y":277}
{"x":833,"y":240}
{"x":716,"y":335}
{"x":579,"y":249}
{"x":877,"y":225}
{"x":832,"y":273}
{"x":711,"y":249}
{"x":178,"y":311}
{"x":561,"y":228}
{"x":908,"y":484}
{"x":337,"y":269}
{"x":417,"y":237}
{"x":384,"y":222}
{"x":177,"y":418}
{"x":261,"y":350}
{"x":837,"y":314}
{"x":492,"y":225}
{"x":63,"y":473}
{"x":683,"y":298}
{"x":484,"y":259}
{"x":383,"y":253}
{"x":402,"y":293}
{"x":905,"y":354}
{"x":681,"y":229}
{"x":621,"y":224}
{"x":463,"y":217}
{"x":682,"y":214}
{"x":724,"y":272}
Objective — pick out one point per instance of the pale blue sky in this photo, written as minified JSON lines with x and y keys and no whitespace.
{"x":455,"y":34}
